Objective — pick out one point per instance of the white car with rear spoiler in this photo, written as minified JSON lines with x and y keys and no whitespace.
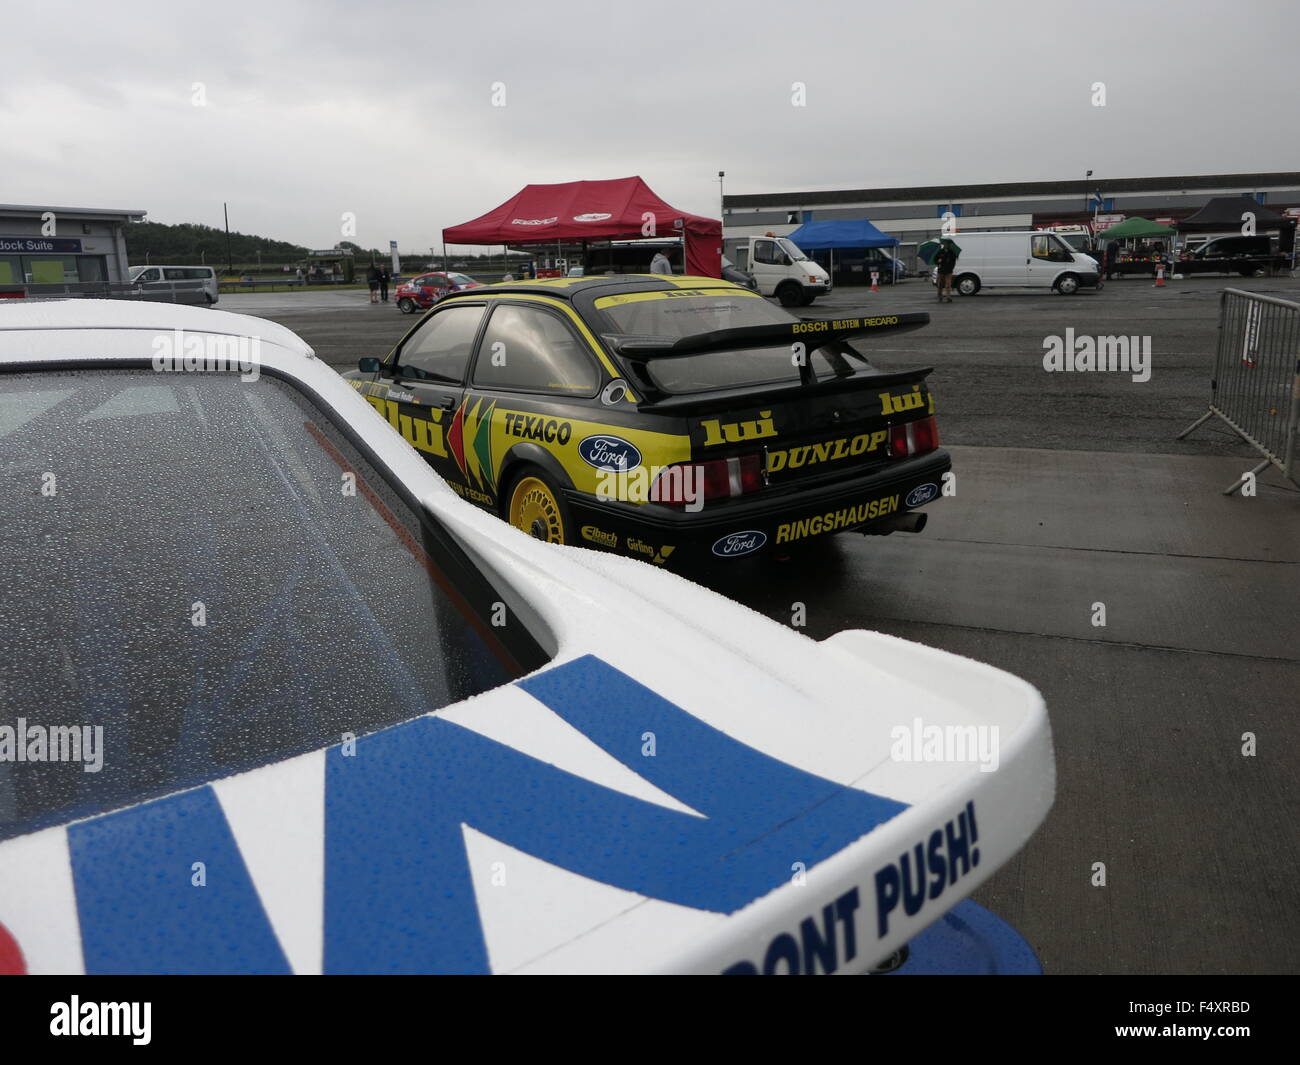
{"x":630,"y":774}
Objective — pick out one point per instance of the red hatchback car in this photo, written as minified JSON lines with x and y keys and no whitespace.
{"x":424,"y":291}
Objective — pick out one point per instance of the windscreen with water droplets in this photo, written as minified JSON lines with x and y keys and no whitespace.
{"x":194,"y":586}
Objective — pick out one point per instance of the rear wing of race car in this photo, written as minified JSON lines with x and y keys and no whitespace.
{"x":811,"y":333}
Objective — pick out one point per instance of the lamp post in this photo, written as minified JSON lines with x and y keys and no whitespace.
{"x":721,"y":198}
{"x":1086,"y":177}
{"x":230,"y":259}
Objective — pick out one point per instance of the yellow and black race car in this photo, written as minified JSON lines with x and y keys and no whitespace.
{"x":673,"y":419}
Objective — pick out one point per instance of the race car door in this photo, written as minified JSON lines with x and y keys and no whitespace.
{"x":428,"y":381}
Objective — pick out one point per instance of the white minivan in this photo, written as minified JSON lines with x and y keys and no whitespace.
{"x":177,"y":284}
{"x":779,"y":267}
{"x":1021,"y":260}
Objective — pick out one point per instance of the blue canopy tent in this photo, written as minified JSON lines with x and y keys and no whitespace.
{"x":842,"y":234}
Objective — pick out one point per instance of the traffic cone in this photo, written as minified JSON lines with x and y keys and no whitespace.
{"x":1160,"y":277}
{"x":875,"y":276}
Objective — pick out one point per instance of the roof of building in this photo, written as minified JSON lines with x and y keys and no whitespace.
{"x":84,"y":212}
{"x":959,"y":193}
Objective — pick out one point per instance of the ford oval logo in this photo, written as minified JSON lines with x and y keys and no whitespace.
{"x":611,"y":453}
{"x":922,"y":494}
{"x":733,"y":545}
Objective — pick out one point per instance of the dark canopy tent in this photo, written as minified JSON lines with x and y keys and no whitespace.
{"x":1224,"y":213}
{"x":582,"y":211}
{"x":841,"y":233}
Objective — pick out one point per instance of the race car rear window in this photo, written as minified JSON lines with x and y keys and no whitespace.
{"x":690,"y":312}
{"x":205,"y":576}
{"x":686,"y":312}
{"x":741,"y":369}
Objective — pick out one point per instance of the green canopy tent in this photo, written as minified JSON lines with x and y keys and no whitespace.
{"x":1140,"y":259}
{"x":1138,"y":228}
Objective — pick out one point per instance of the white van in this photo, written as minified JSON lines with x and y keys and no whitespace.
{"x":1021,"y":260}
{"x":177,"y":284}
{"x":779,"y":268}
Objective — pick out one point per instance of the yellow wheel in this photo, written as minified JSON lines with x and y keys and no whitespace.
{"x":536,"y":508}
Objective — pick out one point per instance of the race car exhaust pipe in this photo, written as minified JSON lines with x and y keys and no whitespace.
{"x":913,"y":521}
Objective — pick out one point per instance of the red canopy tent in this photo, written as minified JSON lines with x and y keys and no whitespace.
{"x":621,"y":209}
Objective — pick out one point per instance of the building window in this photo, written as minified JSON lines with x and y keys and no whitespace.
{"x":56,"y":269}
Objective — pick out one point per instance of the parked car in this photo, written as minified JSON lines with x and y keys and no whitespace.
{"x":422,"y":292}
{"x":780,"y":268}
{"x":177,"y":284}
{"x":731,"y":272}
{"x":663,"y":416}
{"x":889,"y":268}
{"x":1248,"y":256}
{"x":1020,"y":260}
{"x":338,"y":720}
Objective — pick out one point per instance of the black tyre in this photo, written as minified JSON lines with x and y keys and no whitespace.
{"x":790,"y":293}
{"x":1067,"y":284}
{"x":966,"y":285}
{"x":406,"y":305}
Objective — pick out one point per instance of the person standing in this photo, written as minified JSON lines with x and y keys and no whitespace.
{"x":945,"y":261}
{"x":660,"y":264}
{"x":385,"y":276}
{"x":1112,"y":259}
{"x":372,"y":279}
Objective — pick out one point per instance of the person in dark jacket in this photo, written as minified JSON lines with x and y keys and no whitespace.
{"x":385,"y":276}
{"x":1112,"y":259}
{"x":372,"y":279}
{"x":945,"y":262}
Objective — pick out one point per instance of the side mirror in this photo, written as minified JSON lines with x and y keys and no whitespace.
{"x":369,"y":364}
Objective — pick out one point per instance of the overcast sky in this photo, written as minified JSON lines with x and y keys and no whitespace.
{"x":385,"y":110}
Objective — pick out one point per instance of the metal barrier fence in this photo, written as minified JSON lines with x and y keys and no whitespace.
{"x":1256,"y":384}
{"x":152,"y":291}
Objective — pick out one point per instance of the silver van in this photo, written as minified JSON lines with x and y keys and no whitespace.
{"x":177,"y":284}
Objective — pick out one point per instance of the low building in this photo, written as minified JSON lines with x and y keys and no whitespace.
{"x":42,"y":245}
{"x":914,"y":215}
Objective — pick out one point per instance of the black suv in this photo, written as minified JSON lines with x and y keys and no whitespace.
{"x":1247,"y":256}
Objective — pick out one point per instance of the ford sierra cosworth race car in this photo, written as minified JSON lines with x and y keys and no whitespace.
{"x":276,"y":699}
{"x":674,"y":419}
{"x":422,"y":292}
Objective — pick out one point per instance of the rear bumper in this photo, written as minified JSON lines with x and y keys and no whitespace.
{"x":743,"y":528}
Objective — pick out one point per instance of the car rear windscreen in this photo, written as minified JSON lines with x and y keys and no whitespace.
{"x":690,"y":312}
{"x":205,"y":576}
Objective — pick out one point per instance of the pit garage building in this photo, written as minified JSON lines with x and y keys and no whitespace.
{"x":914,"y":215}
{"x":45,"y":245}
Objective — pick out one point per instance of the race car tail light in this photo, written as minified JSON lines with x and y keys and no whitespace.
{"x":718,"y":479}
{"x":913,"y":438}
